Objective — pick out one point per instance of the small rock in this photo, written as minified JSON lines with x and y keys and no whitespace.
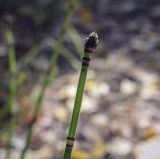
{"x":2,"y":153}
{"x":80,"y":154}
{"x":91,"y":137}
{"x":143,"y":120}
{"x":99,"y":119}
{"x":68,"y":91}
{"x":150,"y":88}
{"x":142,"y":45}
{"x":44,"y":152}
{"x":48,"y":136}
{"x":89,"y":105}
{"x":18,"y":142}
{"x":120,"y":146}
{"x":149,"y":149}
{"x":99,"y":150}
{"x":44,"y":122}
{"x":127,"y":87}
{"x":97,"y":89}
{"x":60,"y":113}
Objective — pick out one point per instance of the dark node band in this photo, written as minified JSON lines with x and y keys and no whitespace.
{"x":70,"y":138}
{"x":70,"y":142}
{"x":68,"y":146}
{"x":85,"y":61}
{"x":89,"y":50}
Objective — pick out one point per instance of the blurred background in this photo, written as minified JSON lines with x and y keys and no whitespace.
{"x":41,"y":46}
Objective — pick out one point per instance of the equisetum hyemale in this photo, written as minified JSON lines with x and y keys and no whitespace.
{"x":89,"y":48}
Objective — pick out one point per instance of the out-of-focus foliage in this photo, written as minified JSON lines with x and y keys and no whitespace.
{"x":32,"y":20}
{"x":120,"y":114}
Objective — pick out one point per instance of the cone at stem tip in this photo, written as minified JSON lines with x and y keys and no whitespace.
{"x":91,"y":42}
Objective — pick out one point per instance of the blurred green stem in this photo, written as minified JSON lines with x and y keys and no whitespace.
{"x":54,"y":58}
{"x":12,"y":70}
{"x":36,"y":49}
{"x":12,"y":87}
{"x":75,"y":37}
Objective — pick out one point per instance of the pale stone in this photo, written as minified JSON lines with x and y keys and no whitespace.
{"x":100,"y":119}
{"x":120,"y":146}
{"x":149,"y":149}
{"x":128,"y":87}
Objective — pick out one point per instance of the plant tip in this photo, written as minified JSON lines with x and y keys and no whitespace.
{"x":91,"y":42}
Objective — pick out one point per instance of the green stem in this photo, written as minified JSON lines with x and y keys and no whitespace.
{"x":89,"y":49}
{"x":10,"y":134}
{"x":12,"y":69}
{"x":8,"y":111}
{"x":54,"y":58}
{"x":76,"y":112}
{"x":78,"y":100}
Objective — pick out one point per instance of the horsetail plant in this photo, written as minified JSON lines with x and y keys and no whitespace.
{"x":89,"y":48}
{"x":47,"y":77}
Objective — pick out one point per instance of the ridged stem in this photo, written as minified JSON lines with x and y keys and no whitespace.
{"x":90,"y":46}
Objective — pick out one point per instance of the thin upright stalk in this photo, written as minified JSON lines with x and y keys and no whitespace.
{"x":90,"y":46}
{"x":66,"y":53}
{"x":75,"y":37}
{"x":54,"y":58}
{"x":12,"y":69}
{"x":12,"y":87}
